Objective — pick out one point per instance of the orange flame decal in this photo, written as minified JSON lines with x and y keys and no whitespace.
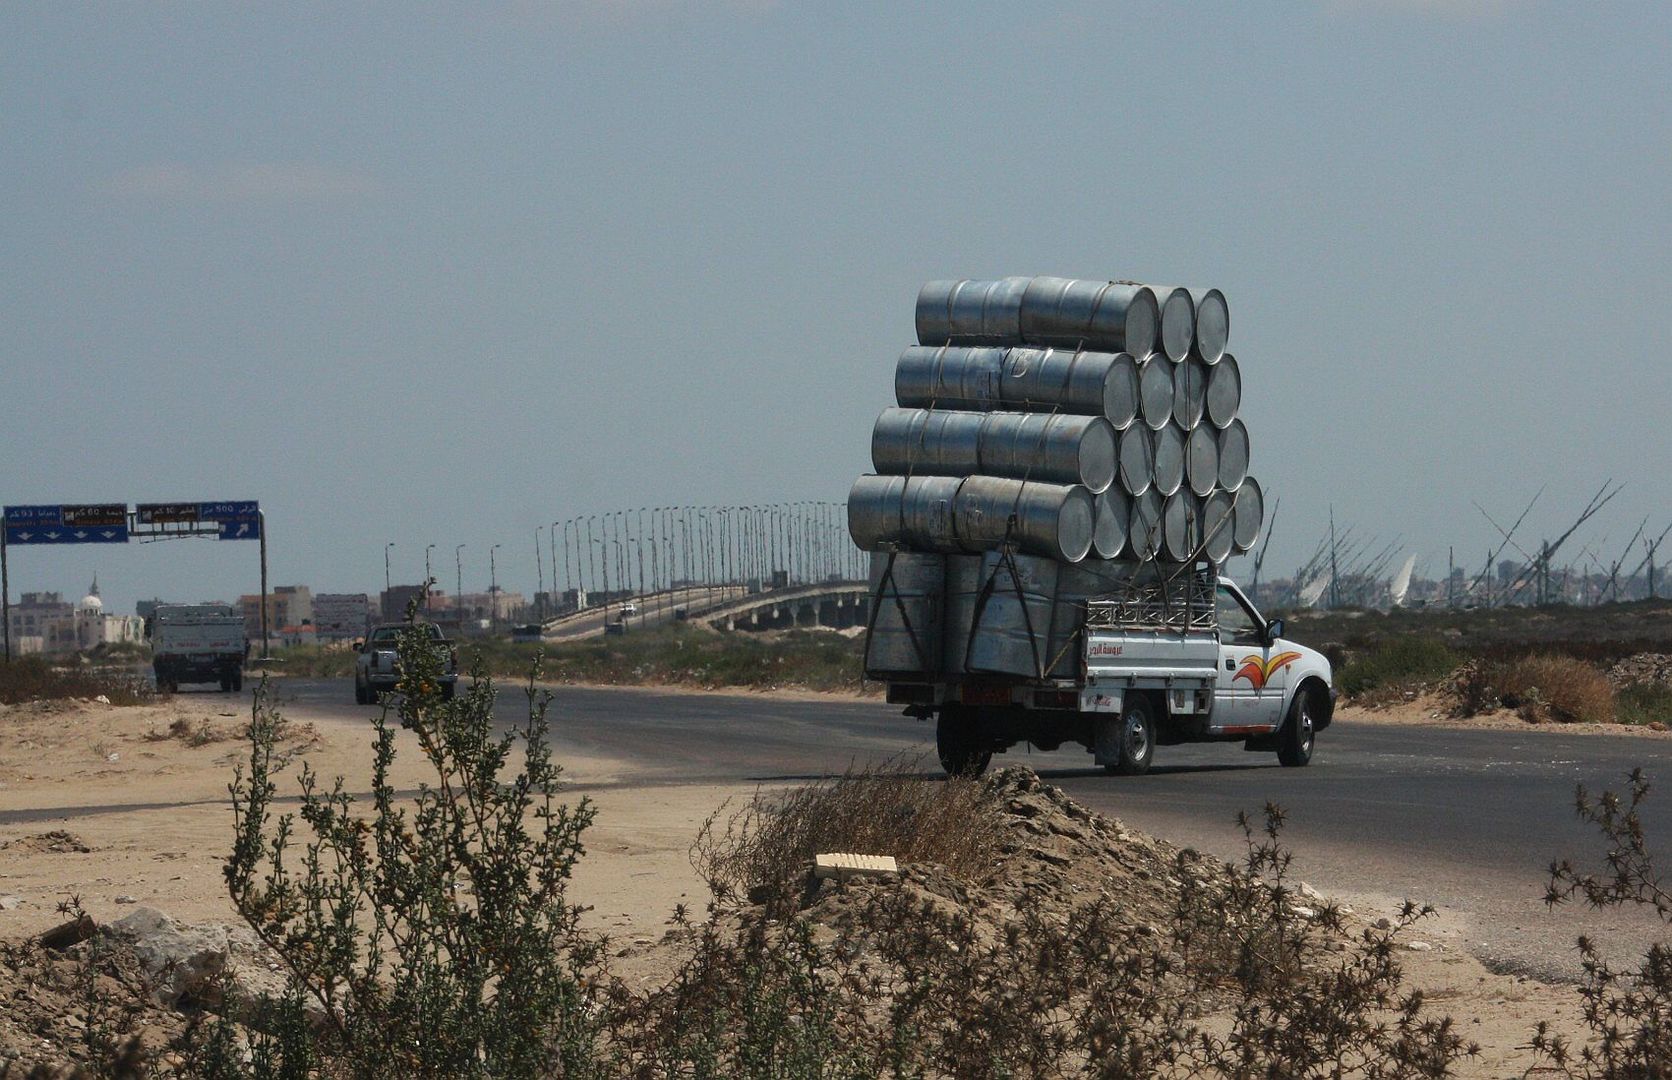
{"x":1258,"y":671}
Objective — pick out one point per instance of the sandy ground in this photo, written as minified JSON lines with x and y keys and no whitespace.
{"x":141,"y":793}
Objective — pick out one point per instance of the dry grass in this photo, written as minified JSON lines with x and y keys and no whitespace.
{"x":763,"y":848}
{"x":1539,"y":688}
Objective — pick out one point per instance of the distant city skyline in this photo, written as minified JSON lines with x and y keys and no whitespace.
{"x":444,"y":279}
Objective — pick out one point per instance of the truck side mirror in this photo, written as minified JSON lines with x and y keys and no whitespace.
{"x":359,"y":644}
{"x":1274,"y":630}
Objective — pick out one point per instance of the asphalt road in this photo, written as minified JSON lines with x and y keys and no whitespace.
{"x":1467,"y":820}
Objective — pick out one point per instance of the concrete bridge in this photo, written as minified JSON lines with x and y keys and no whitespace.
{"x":834,"y":604}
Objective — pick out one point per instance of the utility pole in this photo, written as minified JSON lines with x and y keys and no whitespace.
{"x":1334,"y":579}
{"x":493,"y":592}
{"x":428,"y":577}
{"x":539,"y":577}
{"x":387,"y":587}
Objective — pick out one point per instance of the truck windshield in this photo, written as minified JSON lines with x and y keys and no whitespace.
{"x":1236,"y":622}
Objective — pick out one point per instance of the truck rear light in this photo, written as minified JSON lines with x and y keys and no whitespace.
{"x":911,"y":694}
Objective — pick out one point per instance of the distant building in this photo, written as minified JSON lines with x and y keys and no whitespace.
{"x":287,"y":605}
{"x":392,"y":602}
{"x":42,"y":622}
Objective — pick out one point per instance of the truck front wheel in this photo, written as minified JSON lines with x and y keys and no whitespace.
{"x":1137,"y":738}
{"x":957,"y":746}
{"x":1294,"y":745}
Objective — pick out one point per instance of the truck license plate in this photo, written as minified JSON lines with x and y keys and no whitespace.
{"x":986,"y":695}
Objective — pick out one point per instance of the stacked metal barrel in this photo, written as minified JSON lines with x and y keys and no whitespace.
{"x":1076,"y":423}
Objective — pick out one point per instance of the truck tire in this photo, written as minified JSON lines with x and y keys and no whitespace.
{"x":1137,"y":737}
{"x":360,"y":696}
{"x":447,"y":690}
{"x":237,"y":682}
{"x":1295,"y":741}
{"x":226,"y":684}
{"x":955,"y":744}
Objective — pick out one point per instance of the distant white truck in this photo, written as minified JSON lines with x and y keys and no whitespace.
{"x":198,"y":643}
{"x":1147,"y":661}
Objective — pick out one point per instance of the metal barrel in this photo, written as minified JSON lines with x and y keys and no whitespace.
{"x":913,"y":512}
{"x":1224,"y":391}
{"x":1137,"y":459}
{"x":1111,"y":514}
{"x":1143,"y":531}
{"x":1058,"y":448}
{"x":1011,"y":632}
{"x":927,"y":442}
{"x":1218,"y":526}
{"x":1052,"y":520}
{"x":1076,"y":585}
{"x":1178,"y":320}
{"x":1120,"y":316}
{"x":906,"y":623}
{"x":971,"y":312}
{"x":1120,"y":399}
{"x":1190,"y":392}
{"x":1213,"y":324}
{"x":1169,"y":459}
{"x":1178,"y":515}
{"x":1059,"y":380}
{"x":1249,"y":513}
{"x":963,"y":585}
{"x":949,"y":377}
{"x":1202,"y":460}
{"x":1233,"y":455}
{"x":1155,"y":390}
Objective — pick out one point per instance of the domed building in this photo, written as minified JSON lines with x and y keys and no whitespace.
{"x":94,"y":628}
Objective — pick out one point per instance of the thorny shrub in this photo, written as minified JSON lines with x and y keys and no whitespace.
{"x":1396,"y":666}
{"x":34,"y":678}
{"x":1629,"y":1013}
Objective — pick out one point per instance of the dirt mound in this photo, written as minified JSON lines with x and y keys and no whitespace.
{"x":56,"y":842}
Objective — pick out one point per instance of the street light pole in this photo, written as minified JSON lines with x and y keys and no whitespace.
{"x":387,"y":587}
{"x":458,"y":586}
{"x":591,"y":566}
{"x":493,"y":592}
{"x":539,"y":578}
{"x":428,"y":577}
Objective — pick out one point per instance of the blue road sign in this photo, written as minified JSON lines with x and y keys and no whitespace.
{"x":102,"y":523}
{"x":238,"y":520}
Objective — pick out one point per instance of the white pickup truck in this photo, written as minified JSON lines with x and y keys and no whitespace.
{"x":377,"y":665}
{"x":1151,"y":662}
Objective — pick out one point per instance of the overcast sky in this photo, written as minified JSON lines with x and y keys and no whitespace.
{"x":446,"y":278}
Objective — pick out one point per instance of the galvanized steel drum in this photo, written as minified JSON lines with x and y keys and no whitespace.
{"x":1213,"y":324}
{"x":1169,"y":449}
{"x":1011,"y":634}
{"x":1059,"y":448}
{"x":1190,"y":392}
{"x":1218,"y":525}
{"x":1059,"y":380}
{"x":1082,"y":314}
{"x":1249,"y":514}
{"x":1233,"y":455}
{"x":1137,"y":459}
{"x":914,"y":512}
{"x":949,"y":377}
{"x":1177,"y":516}
{"x":1076,"y":585}
{"x":963,"y":584}
{"x":1143,"y":531}
{"x":1036,"y":446}
{"x":1122,"y":397}
{"x":1178,"y":320}
{"x":1224,"y":391}
{"x":906,"y":622}
{"x":1112,"y":513}
{"x":1051,"y":520}
{"x":971,"y":312}
{"x":925,"y":442}
{"x":1202,"y":460}
{"x":1155,"y":391}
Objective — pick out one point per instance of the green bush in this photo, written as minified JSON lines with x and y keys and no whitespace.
{"x":1397,"y":665}
{"x":1644,"y":703}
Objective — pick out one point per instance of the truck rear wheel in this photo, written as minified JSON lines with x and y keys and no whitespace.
{"x":1294,"y":743}
{"x":957,"y":746}
{"x":1137,"y":738}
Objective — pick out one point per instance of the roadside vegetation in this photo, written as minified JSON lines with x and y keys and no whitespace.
{"x":430,"y":934}
{"x":36,"y":678}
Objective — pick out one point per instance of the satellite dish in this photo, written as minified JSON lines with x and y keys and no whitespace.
{"x":1402,"y":582}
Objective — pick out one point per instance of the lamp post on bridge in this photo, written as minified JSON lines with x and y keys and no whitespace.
{"x":458,"y":586}
{"x":493,"y":593}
